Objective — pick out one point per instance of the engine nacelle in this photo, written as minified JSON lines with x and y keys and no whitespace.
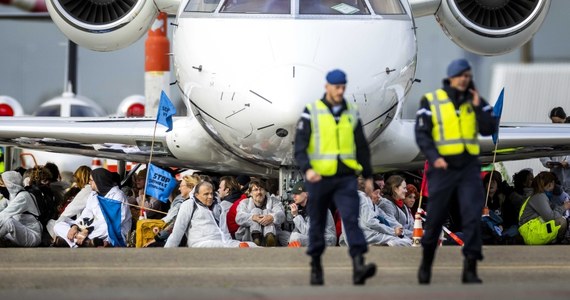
{"x":103,"y":25}
{"x":491,"y":27}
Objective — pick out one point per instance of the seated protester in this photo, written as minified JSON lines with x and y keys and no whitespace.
{"x":18,"y":222}
{"x":199,"y":219}
{"x":260,"y":217}
{"x":512,"y":206}
{"x":243,"y":182}
{"x":57,"y":186}
{"x":300,"y":233}
{"x":186,"y":189}
{"x":539,"y":224}
{"x":78,"y":202}
{"x":90,"y":228}
{"x":496,"y":196}
{"x":229,"y":192}
{"x":411,"y":195}
{"x":393,"y":203}
{"x":146,"y":201}
{"x":377,"y":227}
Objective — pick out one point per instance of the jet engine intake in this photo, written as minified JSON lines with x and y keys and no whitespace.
{"x":491,"y":27}
{"x":103,"y":25}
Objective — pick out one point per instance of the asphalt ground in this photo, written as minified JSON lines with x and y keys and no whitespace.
{"x":508,"y":272}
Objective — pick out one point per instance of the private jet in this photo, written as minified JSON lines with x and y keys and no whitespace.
{"x":246,"y":69}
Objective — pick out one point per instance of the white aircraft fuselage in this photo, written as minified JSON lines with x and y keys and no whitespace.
{"x":248,"y":77}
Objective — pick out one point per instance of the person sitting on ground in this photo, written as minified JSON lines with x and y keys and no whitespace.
{"x":18,"y":222}
{"x":199,"y":218}
{"x":511,"y":208}
{"x":157,"y":209}
{"x":57,"y":186}
{"x":393,"y":203}
{"x":411,"y":195}
{"x":539,"y":224}
{"x":186,"y":189}
{"x":90,"y":228}
{"x":378,"y":228}
{"x":300,"y":233}
{"x":260,"y":216}
{"x":243,"y":182}
{"x":229,"y":192}
{"x":78,"y":202}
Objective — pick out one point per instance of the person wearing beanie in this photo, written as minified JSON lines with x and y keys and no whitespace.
{"x":330,"y":150}
{"x":448,"y":123}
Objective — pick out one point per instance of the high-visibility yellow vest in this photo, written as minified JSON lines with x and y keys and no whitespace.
{"x":535,"y":231}
{"x":330,"y":140}
{"x":453,"y":132}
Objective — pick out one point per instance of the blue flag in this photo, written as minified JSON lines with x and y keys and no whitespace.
{"x":165,"y":111}
{"x":160,"y":183}
{"x":497,"y":111}
{"x":111,"y":209}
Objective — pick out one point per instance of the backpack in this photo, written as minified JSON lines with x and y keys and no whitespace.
{"x":45,"y":202}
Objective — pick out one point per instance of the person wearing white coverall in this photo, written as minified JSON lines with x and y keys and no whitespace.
{"x":260,"y":217}
{"x":77,"y":205}
{"x":17,"y":221}
{"x":301,"y":219}
{"x":102,"y":184}
{"x":201,"y":219}
{"x":375,"y":232}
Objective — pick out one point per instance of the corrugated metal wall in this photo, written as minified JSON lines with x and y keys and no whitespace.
{"x":531,"y":91}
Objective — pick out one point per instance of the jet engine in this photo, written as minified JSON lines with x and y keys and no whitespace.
{"x":103,"y":25}
{"x":491,"y":27}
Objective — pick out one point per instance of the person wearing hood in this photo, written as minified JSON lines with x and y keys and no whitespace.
{"x":90,"y":228}
{"x":18,"y":223}
{"x":448,"y":123}
{"x":200,"y":219}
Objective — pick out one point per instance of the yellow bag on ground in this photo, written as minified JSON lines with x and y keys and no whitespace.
{"x":147,"y":230}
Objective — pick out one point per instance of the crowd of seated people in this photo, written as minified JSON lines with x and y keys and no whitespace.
{"x":244,"y":211}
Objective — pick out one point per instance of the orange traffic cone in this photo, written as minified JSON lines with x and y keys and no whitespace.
{"x":485,"y":211}
{"x":294,"y":244}
{"x":243,"y":245}
{"x":418,"y":231}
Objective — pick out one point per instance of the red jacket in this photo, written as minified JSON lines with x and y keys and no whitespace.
{"x":231,"y":216}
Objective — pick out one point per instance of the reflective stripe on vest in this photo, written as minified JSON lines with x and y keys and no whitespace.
{"x":453,"y":132}
{"x":330,"y":140}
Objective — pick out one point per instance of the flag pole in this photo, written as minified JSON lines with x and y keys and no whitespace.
{"x":422,"y":186}
{"x":142,"y":212}
{"x":497,"y":110}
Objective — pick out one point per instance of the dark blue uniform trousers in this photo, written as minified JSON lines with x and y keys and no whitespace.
{"x":343,"y":191}
{"x":470,"y":197}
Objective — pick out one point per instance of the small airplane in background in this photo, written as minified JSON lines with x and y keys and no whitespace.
{"x":246,"y":69}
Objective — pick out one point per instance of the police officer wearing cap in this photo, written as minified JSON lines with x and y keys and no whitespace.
{"x":330,"y":149}
{"x":447,"y":126}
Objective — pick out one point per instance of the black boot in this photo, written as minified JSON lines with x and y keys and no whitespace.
{"x":361,"y":271}
{"x":470,"y":271}
{"x":316,"y":271}
{"x":424,"y":273}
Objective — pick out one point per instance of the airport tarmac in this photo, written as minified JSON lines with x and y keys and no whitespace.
{"x":509,"y":272}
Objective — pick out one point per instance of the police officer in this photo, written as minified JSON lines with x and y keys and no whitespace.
{"x":330,"y":148}
{"x":447,"y":126}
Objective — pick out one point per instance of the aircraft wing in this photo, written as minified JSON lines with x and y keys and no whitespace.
{"x":130,"y":139}
{"x":527,"y":140}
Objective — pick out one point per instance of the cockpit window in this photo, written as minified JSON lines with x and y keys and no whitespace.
{"x":257,"y":6}
{"x":83,"y":111}
{"x":49,"y":111}
{"x":387,"y":7}
{"x":201,"y":5}
{"x":333,"y":7}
